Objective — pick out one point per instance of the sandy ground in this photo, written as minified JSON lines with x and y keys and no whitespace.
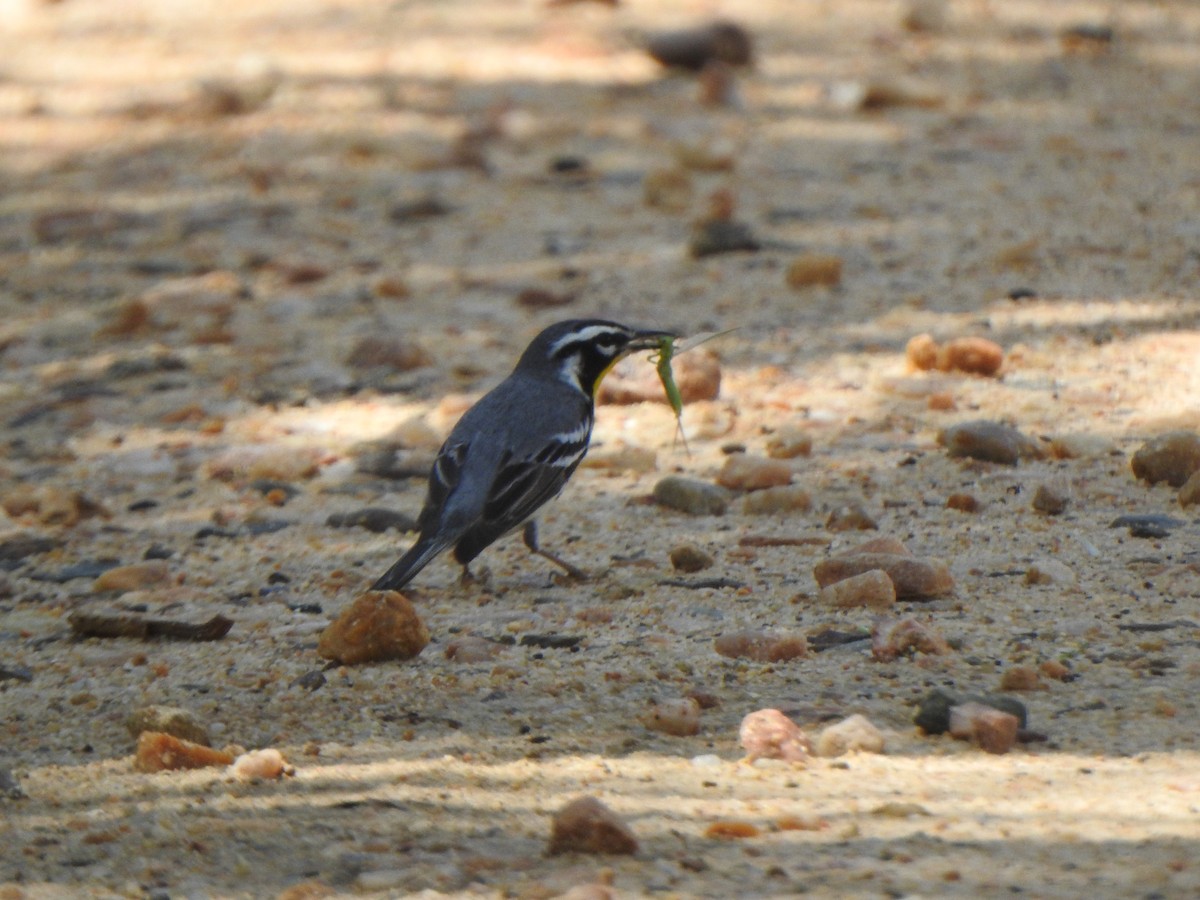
{"x":308,"y":161}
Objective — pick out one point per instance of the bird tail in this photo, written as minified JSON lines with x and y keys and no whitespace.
{"x":406,"y":567}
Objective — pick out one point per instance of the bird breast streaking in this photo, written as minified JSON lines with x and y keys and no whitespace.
{"x":518,"y":446}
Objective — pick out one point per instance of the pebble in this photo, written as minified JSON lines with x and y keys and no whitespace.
{"x":689,"y":495}
{"x":1021,"y":678}
{"x":266,"y":764}
{"x":1147,"y":526}
{"x":769,"y":734}
{"x":1079,"y":446}
{"x":715,"y":236}
{"x":851,"y":517}
{"x":374,"y":519}
{"x":1049,"y":571}
{"x":744,"y":472}
{"x":679,"y":717}
{"x":622,"y":458}
{"x":51,"y":505}
{"x":20,"y":547}
{"x":586,"y":825}
{"x":276,"y":463}
{"x":811,"y":269}
{"x":158,"y":752}
{"x":472,"y":649}
{"x":667,"y":189}
{"x":914,"y":578}
{"x":761,"y":646}
{"x":689,"y":558}
{"x":694,"y":48}
{"x":137,"y":576}
{"x":377,"y":626}
{"x":994,"y":731}
{"x":893,"y":638}
{"x":963,"y":503}
{"x":853,"y":733}
{"x":1051,"y":498}
{"x":697,"y":375}
{"x":872,"y":589}
{"x":172,"y":720}
{"x":933,"y":710}
{"x":988,"y":441}
{"x":1173,"y":457}
{"x":784,"y":499}
{"x":972,"y":355}
{"x":385,"y":352}
{"x":788,"y":443}
{"x":1189,"y":494}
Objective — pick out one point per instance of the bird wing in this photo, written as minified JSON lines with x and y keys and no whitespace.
{"x":520,"y":487}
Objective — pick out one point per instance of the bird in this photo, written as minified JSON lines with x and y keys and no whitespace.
{"x":517,"y":447}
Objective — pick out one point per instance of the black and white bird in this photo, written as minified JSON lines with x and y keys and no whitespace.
{"x":516,"y":448}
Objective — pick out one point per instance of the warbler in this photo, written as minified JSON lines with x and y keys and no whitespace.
{"x":516,"y":448}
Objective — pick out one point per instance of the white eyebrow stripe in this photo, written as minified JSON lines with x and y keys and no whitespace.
{"x":585,"y":334}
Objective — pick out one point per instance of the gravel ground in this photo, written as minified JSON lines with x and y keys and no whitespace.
{"x":255,"y":260}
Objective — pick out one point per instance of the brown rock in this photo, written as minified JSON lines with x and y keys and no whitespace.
{"x":788,"y":498}
{"x":133,"y":577}
{"x":586,"y":825}
{"x":158,"y":752}
{"x":761,"y":646}
{"x":379,"y":352}
{"x":743,"y":472}
{"x":853,"y":733}
{"x":1173,"y":457}
{"x":812,"y":269}
{"x":694,"y":48}
{"x":921,"y":352}
{"x":51,"y":505}
{"x":788,"y":443}
{"x":891,"y":639}
{"x":915,"y":578}
{"x":850,"y":517}
{"x":989,"y":442}
{"x":689,"y":558}
{"x":377,"y":626}
{"x":994,"y":731}
{"x":679,"y":717}
{"x":872,"y":589}
{"x":769,"y":734}
{"x":963,"y":503}
{"x":973,"y":355}
{"x":1021,"y":678}
{"x":267,"y":764}
{"x":1051,"y":498}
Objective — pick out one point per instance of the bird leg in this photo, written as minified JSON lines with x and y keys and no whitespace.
{"x":530,"y":535}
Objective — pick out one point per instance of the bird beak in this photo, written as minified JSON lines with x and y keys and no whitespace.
{"x":648,"y":340}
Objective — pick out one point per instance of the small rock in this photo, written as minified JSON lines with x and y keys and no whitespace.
{"x":988,"y":441}
{"x":715,"y":236}
{"x":1173,"y":457}
{"x":1051,"y":498}
{"x":472,"y":649}
{"x":381,"y":352}
{"x":743,"y":472}
{"x":377,"y":626}
{"x":51,"y":505}
{"x":851,"y":517}
{"x":769,"y":734}
{"x":915,"y":578}
{"x":850,"y":734}
{"x":1146,"y":526}
{"x":1079,"y":446}
{"x":543,"y":298}
{"x":694,"y":48}
{"x":963,"y":503}
{"x":374,"y":519}
{"x":994,"y":731}
{"x":20,"y":547}
{"x":1189,"y":494}
{"x":1055,"y":670}
{"x":133,"y":577}
{"x":677,"y":717}
{"x":933,"y":711}
{"x":973,"y":355}
{"x":260,"y":764}
{"x":276,"y":463}
{"x":812,"y":269}
{"x":689,"y":558}
{"x":1049,"y":571}
{"x":158,"y":752}
{"x":761,"y":646}
{"x":172,"y":720}
{"x":788,"y":443}
{"x":1021,"y":678}
{"x":699,"y":498}
{"x":585,"y":825}
{"x":788,"y":498}
{"x":892,"y":638}
{"x":622,"y":458}
{"x":872,"y":589}
{"x":10,"y":787}
{"x":667,"y":189}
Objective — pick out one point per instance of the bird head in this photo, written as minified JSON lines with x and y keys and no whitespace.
{"x":581,"y":351}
